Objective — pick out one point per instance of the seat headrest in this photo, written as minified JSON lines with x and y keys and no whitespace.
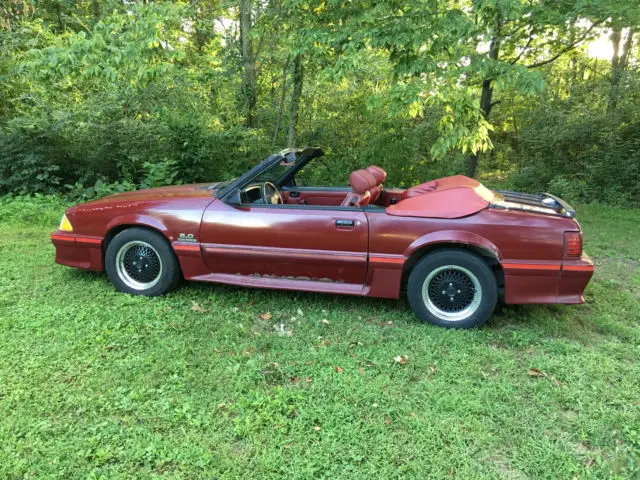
{"x":379,"y":174}
{"x":361,"y":181}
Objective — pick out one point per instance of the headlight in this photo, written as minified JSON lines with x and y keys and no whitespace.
{"x":65,"y":224}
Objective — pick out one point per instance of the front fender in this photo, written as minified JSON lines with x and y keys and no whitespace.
{"x":141,"y":220}
{"x":453,"y":237}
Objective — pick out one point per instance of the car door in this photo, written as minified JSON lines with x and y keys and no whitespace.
{"x":296,"y":242}
{"x":314,"y":195}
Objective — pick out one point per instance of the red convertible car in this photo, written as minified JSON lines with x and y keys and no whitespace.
{"x":453,"y":244}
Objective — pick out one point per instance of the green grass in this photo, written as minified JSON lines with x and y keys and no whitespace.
{"x":197,"y":384}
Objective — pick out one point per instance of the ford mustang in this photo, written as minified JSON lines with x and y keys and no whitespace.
{"x":452,"y":244}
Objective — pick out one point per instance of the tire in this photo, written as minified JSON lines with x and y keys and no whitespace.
{"x":452,"y":288}
{"x":141,"y":262}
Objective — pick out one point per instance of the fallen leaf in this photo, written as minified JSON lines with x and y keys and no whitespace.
{"x":388,"y":422}
{"x":196,"y":307}
{"x":534,"y":372}
{"x":337,"y":369}
{"x":265,"y":316}
{"x":401,"y":359}
{"x":452,"y":472}
{"x":361,"y":370}
{"x":221,"y":405}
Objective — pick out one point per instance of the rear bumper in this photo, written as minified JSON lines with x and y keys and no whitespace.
{"x":547,"y":282}
{"x":574,"y":277}
{"x":79,"y":251}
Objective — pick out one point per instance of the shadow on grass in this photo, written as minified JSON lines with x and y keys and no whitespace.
{"x":546,"y":322}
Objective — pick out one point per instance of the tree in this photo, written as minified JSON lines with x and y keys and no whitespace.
{"x":456,"y":53}
{"x":249,"y":78}
{"x":296,"y":94}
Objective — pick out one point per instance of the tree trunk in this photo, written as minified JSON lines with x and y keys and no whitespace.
{"x":95,"y":6}
{"x":486,"y":103}
{"x":283,"y":95}
{"x":619,"y":63}
{"x":626,"y":50}
{"x":249,"y":81}
{"x":59,"y":16}
{"x":616,"y":36}
{"x":295,"y":100}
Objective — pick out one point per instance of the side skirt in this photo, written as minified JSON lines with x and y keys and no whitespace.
{"x":284,"y":283}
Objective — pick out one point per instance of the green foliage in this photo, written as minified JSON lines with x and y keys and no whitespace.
{"x":160,"y":173}
{"x":95,"y":93}
{"x":197,"y":384}
{"x":581,"y":153}
{"x":79,"y":193}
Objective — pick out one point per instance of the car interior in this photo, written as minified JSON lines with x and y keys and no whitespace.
{"x":367,"y":190}
{"x":277,"y":183}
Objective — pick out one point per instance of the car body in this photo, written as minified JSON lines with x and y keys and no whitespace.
{"x":365,"y":240}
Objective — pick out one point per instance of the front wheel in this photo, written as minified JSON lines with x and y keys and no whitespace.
{"x":452,"y":288}
{"x":141,"y":262}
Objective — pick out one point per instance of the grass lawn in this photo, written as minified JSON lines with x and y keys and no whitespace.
{"x":219,"y":382}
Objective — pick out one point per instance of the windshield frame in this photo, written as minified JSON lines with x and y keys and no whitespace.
{"x":301,"y":157}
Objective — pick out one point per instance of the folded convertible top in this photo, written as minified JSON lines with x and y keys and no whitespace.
{"x":449,"y":197}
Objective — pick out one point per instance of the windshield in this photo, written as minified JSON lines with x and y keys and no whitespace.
{"x":277,"y":170}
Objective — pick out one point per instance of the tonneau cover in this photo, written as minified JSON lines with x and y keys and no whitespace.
{"x":453,"y":197}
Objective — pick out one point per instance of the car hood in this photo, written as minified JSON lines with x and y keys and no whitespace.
{"x":195,"y":190}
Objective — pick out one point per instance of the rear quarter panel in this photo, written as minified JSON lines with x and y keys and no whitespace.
{"x":528,"y":247}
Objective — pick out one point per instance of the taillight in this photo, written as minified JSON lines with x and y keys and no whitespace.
{"x":572,"y":244}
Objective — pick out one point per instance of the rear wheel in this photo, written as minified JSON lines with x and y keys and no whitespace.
{"x":141,"y":262}
{"x":452,"y":288}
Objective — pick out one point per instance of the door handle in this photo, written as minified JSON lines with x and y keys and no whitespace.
{"x":294,"y":194}
{"x":344,"y":223}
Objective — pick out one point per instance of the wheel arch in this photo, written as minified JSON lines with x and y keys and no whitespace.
{"x":123,"y":223}
{"x":451,"y":240}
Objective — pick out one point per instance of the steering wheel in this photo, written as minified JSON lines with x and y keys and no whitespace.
{"x":270,"y":194}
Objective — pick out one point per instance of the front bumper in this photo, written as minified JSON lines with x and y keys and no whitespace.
{"x":79,"y":251}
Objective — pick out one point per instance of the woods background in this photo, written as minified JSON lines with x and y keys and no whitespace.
{"x":98,"y":96}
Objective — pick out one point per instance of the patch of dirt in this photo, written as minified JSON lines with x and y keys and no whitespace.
{"x":505,"y":470}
